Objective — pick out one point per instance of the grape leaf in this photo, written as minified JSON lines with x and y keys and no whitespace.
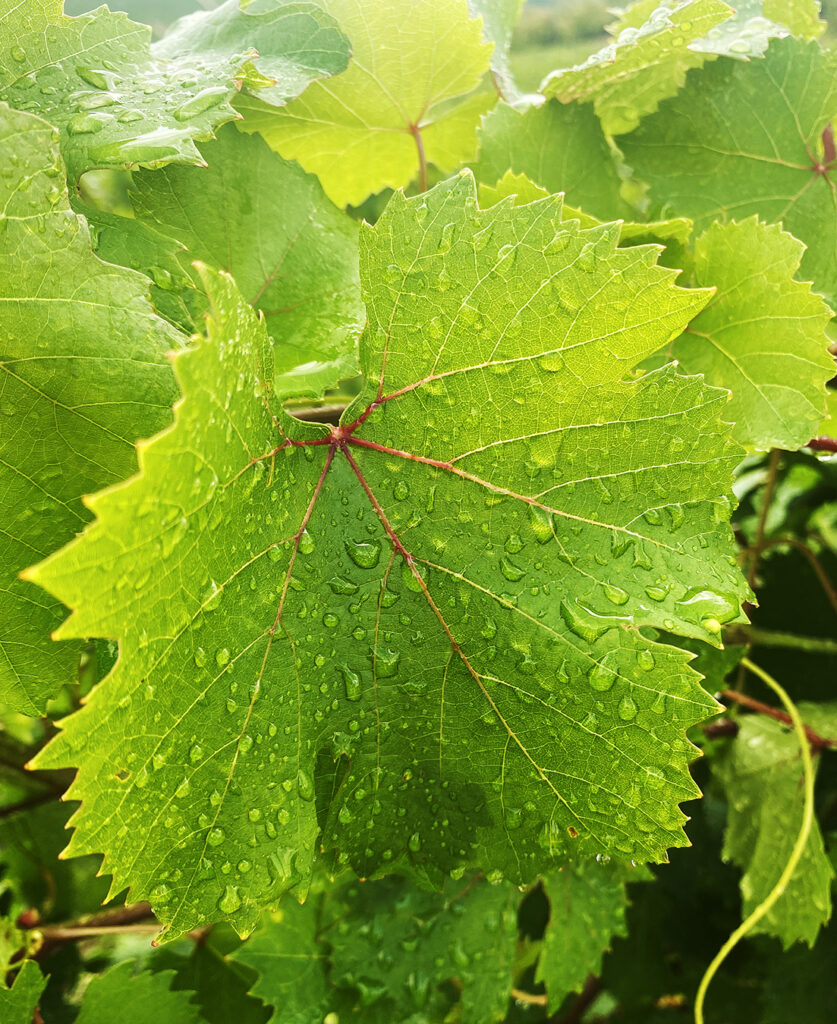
{"x":145,"y":998}
{"x":373,"y":125}
{"x":339,"y":947}
{"x":268,"y":224}
{"x":711,"y":153}
{"x":118,"y":100}
{"x":762,"y":335}
{"x":561,"y":148}
{"x":17,"y":1004}
{"x":83,"y":373}
{"x":587,"y":910}
{"x":629,"y":77}
{"x":499,"y":18}
{"x":761,"y":773}
{"x":358,"y":610}
{"x":290,"y":964}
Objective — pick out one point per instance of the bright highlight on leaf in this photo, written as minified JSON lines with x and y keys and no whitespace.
{"x":462,"y":566}
{"x":406,"y":99}
{"x":83,"y":373}
{"x":119,"y":100}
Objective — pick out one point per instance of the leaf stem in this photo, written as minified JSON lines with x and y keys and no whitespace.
{"x":776,"y":638}
{"x":770,"y":486}
{"x":796,"y":853}
{"x":814,"y":738}
{"x":416,"y":133}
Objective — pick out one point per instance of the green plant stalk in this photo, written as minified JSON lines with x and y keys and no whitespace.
{"x":798,"y":847}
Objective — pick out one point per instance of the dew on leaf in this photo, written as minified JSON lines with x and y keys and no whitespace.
{"x":364,"y":553}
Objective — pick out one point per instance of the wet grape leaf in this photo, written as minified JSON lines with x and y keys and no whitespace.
{"x":762,"y":335}
{"x":120,"y":100}
{"x":762,"y":774}
{"x":400,"y":101}
{"x":83,"y":373}
{"x":645,"y":64}
{"x":331,"y":621}
{"x":711,"y":153}
{"x":267,"y":223}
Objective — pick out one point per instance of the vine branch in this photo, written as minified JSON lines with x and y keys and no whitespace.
{"x":816,"y":741}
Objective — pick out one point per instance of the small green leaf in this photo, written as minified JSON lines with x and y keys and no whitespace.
{"x":761,"y":774}
{"x":83,"y":374}
{"x":17,"y":1004}
{"x":145,"y":998}
{"x":120,"y":101}
{"x":561,"y":148}
{"x":412,"y":63}
{"x":711,"y":153}
{"x":629,"y":77}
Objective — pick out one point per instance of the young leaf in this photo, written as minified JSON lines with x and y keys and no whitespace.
{"x":561,"y":148}
{"x":17,"y":1004}
{"x":145,"y":998}
{"x":587,"y":911}
{"x":712,"y":154}
{"x":762,"y":335}
{"x":629,"y":77}
{"x":83,"y":373}
{"x":391,"y":111}
{"x":118,"y":100}
{"x":761,"y":775}
{"x":268,"y":224}
{"x":462,"y":566}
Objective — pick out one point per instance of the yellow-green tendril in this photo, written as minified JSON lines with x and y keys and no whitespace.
{"x":798,"y":847}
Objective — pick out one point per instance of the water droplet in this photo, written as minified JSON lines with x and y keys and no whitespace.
{"x":18,"y":53}
{"x":513,"y":544}
{"x":401,"y":491}
{"x":183,"y":789}
{"x":87,"y":124}
{"x":305,"y":785}
{"x":93,"y":76}
{"x":584,"y":623}
{"x":215,"y":836}
{"x":364,"y":554}
{"x":645,"y":660}
{"x":386,"y":663}
{"x":709,"y":606}
{"x":200,"y":657}
{"x":447,"y":237}
{"x":615,"y":594}
{"x":627,"y":709}
{"x":222,"y":657}
{"x":340,"y":586}
{"x":129,"y":116}
{"x":202,"y":101}
{"x":657,"y":593}
{"x":602,"y":675}
{"x":414,"y":843}
{"x":244,"y":866}
{"x":230,"y":901}
{"x":306,"y":543}
{"x":330,"y":620}
{"x":512,"y":572}
{"x":354,"y":689}
{"x":254,"y":814}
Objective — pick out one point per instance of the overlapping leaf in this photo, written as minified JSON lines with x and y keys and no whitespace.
{"x":142,"y":998}
{"x":423,"y":625}
{"x":587,"y":911}
{"x":17,"y":1003}
{"x":401,"y":101}
{"x":762,"y":335}
{"x":561,"y":148}
{"x":499,"y":18}
{"x":83,"y":373}
{"x":711,"y":152}
{"x":119,"y":100}
{"x":647,"y":63}
{"x":761,"y":774}
{"x":267,"y":223}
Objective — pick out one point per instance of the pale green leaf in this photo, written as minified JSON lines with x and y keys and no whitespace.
{"x":17,"y":1004}
{"x":366,"y":130}
{"x":587,"y":911}
{"x":762,"y":774}
{"x":429,"y":616}
{"x":561,"y":148}
{"x":713,"y":152}
{"x":762,"y":335}
{"x":83,"y":373}
{"x":629,"y":77}
{"x":499,"y":18}
{"x":268,"y":224}
{"x":145,"y":998}
{"x":120,"y":101}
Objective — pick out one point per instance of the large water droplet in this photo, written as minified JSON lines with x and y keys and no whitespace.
{"x":627,"y":709}
{"x":305,"y":785}
{"x":230,"y":901}
{"x":354,"y":689}
{"x":363,"y":553}
{"x":202,"y":101}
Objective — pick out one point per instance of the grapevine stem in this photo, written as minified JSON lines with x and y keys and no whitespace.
{"x":776,"y":638}
{"x":814,"y":738}
{"x":416,"y":133}
{"x":798,"y":847}
{"x":823,"y":444}
{"x":770,"y":486}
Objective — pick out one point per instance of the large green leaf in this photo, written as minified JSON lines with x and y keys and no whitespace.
{"x":83,"y":373}
{"x":394,"y":106}
{"x":562,"y":148}
{"x":762,"y":335}
{"x":145,"y":998}
{"x":762,"y":775}
{"x":712,"y":153}
{"x":587,"y":911}
{"x":629,"y":77}
{"x":428,"y":618}
{"x":268,"y":224}
{"x":119,"y":100}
